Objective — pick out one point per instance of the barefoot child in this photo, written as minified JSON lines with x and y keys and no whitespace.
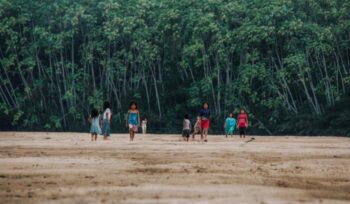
{"x":95,"y":121}
{"x":144,"y":126}
{"x":186,"y":128}
{"x":133,"y":120}
{"x":230,"y":124}
{"x":242,"y":123}
{"x":204,"y":113}
{"x":197,"y":128}
{"x":106,"y":120}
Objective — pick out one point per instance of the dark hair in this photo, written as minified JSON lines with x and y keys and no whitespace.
{"x":242,"y":109}
{"x":204,"y":104}
{"x":106,"y":105}
{"x":94,"y":113}
{"x":145,"y":117}
{"x":230,"y":113}
{"x":186,"y":116}
{"x":132,"y":103}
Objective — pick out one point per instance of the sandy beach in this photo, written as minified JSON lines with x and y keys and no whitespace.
{"x":69,"y":168}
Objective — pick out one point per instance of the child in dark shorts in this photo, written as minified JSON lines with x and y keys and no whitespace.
{"x":186,"y":128}
{"x":242,"y":123}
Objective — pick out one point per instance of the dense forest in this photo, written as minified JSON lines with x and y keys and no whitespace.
{"x":287,"y":62}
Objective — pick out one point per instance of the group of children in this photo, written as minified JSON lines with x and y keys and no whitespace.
{"x":203,"y":120}
{"x":102,"y":125}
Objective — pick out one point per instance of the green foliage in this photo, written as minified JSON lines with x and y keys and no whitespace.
{"x":286,"y":62}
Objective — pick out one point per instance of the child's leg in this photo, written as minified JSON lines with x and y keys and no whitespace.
{"x":96,"y":137}
{"x":130,"y":133}
{"x":92,"y":136}
{"x":205,"y":134}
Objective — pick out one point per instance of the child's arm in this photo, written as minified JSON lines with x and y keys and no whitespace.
{"x":224,"y":124}
{"x":89,"y":119}
{"x":100,"y":121}
{"x":246,"y":123}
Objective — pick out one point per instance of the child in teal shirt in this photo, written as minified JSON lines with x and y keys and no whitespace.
{"x":230,"y":124}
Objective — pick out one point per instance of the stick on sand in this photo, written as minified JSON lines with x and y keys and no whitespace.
{"x":252,"y":139}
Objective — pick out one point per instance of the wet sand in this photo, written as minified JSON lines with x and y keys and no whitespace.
{"x":69,"y":168}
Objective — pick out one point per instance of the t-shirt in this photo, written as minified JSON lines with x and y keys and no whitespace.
{"x":204,"y":114}
{"x":186,"y":125}
{"x":230,"y":122}
{"x":109,"y":114}
{"x":242,"y":120}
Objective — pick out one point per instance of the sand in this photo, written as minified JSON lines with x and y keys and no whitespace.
{"x":69,"y":168}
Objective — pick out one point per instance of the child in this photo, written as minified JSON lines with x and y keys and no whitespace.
{"x":144,"y":125}
{"x":133,"y":120}
{"x":95,"y":121}
{"x":197,"y":127}
{"x":186,"y":128}
{"x":106,"y":120}
{"x":204,"y":113}
{"x":229,"y":125}
{"x":242,"y":123}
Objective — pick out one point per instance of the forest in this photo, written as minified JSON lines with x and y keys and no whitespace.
{"x":287,"y":62}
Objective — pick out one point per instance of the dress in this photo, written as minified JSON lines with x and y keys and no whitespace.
{"x":133,"y":120}
{"x":95,"y":126}
{"x":230,"y":124}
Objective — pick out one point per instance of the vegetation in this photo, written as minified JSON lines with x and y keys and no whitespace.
{"x":286,"y":61}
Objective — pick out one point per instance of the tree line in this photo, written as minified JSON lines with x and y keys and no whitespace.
{"x":287,"y":62}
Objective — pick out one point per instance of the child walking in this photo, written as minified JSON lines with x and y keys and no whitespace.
{"x":242,"y":123}
{"x":229,"y":125}
{"x":133,"y":119}
{"x":186,"y":128}
{"x":95,"y":121}
{"x":204,"y":113}
{"x":197,"y":127}
{"x":144,"y":126}
{"x":106,"y":120}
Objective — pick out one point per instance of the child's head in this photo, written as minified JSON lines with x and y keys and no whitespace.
{"x":186,"y":116}
{"x":242,"y":111}
{"x":94,"y":113}
{"x":230,"y":114}
{"x":198,"y":117}
{"x":133,"y":105}
{"x":205,"y":105}
{"x":144,"y":118}
{"x":106,"y":105}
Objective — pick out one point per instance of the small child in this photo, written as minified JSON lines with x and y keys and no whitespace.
{"x":242,"y":123}
{"x":133,"y":119}
{"x":204,"y":113}
{"x":230,"y":124}
{"x":186,"y":128}
{"x":144,"y":126}
{"x":197,"y":127}
{"x":95,"y":121}
{"x":106,"y":120}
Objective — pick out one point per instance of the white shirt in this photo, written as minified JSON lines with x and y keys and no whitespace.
{"x":109,"y":114}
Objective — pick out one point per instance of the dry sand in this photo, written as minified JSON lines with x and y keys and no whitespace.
{"x":69,"y":168}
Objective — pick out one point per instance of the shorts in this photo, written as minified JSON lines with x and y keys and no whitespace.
{"x":106,"y":129}
{"x":186,"y":133}
{"x":133,"y":127}
{"x":242,"y":130}
{"x":204,"y":124}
